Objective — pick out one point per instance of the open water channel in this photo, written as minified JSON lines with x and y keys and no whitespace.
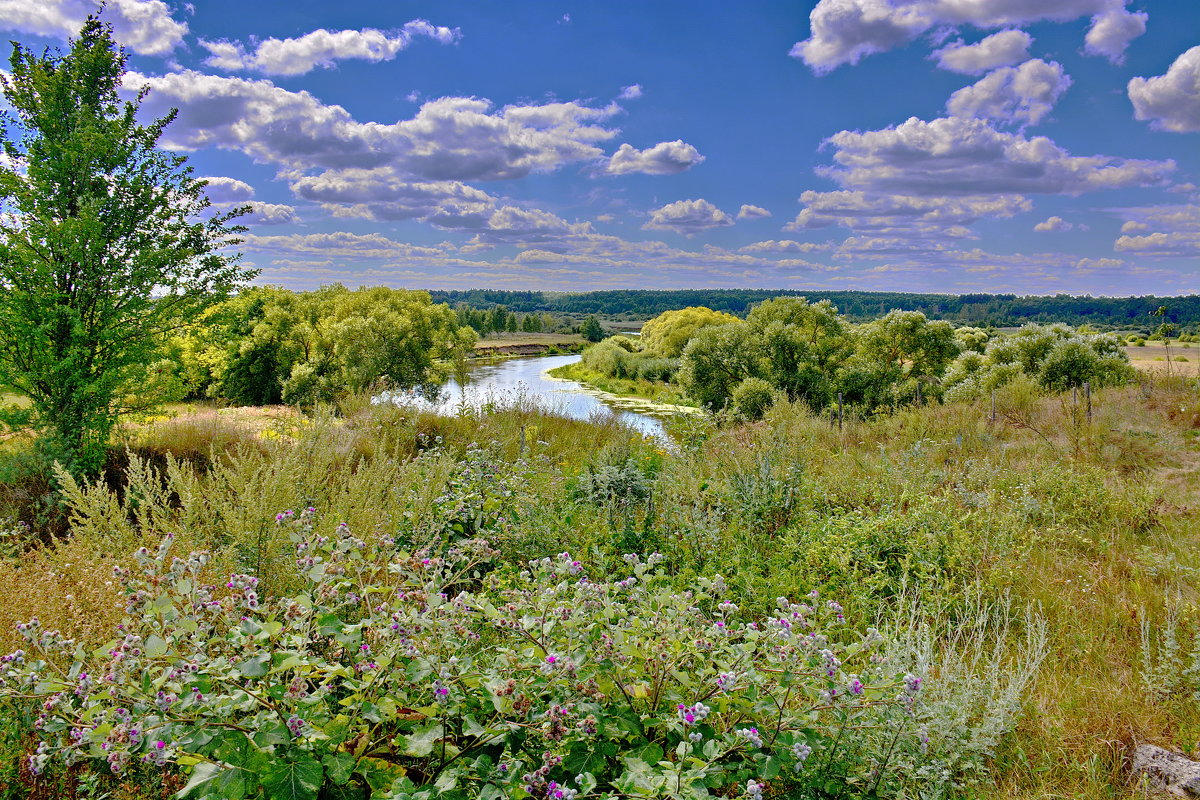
{"x":524,"y":380}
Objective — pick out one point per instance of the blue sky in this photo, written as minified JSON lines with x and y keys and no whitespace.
{"x":1029,"y":146}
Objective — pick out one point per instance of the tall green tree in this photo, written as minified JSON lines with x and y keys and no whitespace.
{"x":591,"y":330}
{"x":107,"y":244}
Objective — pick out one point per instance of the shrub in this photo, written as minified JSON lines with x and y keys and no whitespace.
{"x":608,"y":358}
{"x":657,"y":369}
{"x":410,"y":675}
{"x":752,"y":397}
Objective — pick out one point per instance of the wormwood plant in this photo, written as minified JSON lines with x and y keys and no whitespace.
{"x":408,"y":675}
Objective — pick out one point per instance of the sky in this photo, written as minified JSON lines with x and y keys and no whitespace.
{"x":1027,"y":146}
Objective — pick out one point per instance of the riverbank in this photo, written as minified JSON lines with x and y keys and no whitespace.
{"x":635,"y":389}
{"x":529,"y":344}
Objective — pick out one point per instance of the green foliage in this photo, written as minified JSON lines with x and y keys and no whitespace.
{"x":268,"y":345}
{"x":1055,"y":356}
{"x":411,"y":675}
{"x":803,"y":344}
{"x":591,"y":330}
{"x":106,"y":249}
{"x":751,"y":398}
{"x":667,"y":334}
{"x":716,"y":360}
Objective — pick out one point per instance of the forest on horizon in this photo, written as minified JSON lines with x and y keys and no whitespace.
{"x":1000,"y":310}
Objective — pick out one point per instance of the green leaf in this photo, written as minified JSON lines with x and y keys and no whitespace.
{"x":420,"y":742}
{"x":380,"y":775}
{"x":202,"y":775}
{"x":255,"y":667}
{"x":215,"y":782}
{"x":156,"y":646}
{"x":339,"y":767}
{"x":293,"y":780}
{"x":329,"y":624}
{"x":338,"y":730}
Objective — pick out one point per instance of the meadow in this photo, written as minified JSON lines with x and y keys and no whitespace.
{"x":1038,"y":571}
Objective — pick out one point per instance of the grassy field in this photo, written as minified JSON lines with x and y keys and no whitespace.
{"x":1050,"y":564}
{"x":517,"y":340}
{"x":655,"y":391}
{"x":1153,"y":357}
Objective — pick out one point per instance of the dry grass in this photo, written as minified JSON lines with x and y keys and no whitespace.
{"x":1155,"y":358}
{"x":505,"y":340}
{"x":69,"y":587}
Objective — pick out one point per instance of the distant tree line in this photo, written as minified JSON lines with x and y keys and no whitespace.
{"x":999,"y":310}
{"x":498,"y":319}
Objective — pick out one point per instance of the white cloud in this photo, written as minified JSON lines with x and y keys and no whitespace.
{"x":227,"y":190}
{"x":269,"y":214}
{"x":451,"y":138}
{"x":380,"y":194}
{"x":998,"y":50}
{"x":844,"y":31}
{"x":748,"y":211}
{"x":323,"y":48}
{"x":1177,"y":243}
{"x":783,"y":246}
{"x":1176,"y":230}
{"x":1021,"y":95}
{"x":144,"y":26}
{"x":228,"y":193}
{"x":1099,"y":264}
{"x":1172,"y":101}
{"x":630,"y":92}
{"x":451,"y":205}
{"x":337,"y":245}
{"x":963,"y":156}
{"x":1112,"y":31}
{"x":665,"y":158}
{"x":687,"y":217}
{"x":1052,"y":224}
{"x":903,"y":215}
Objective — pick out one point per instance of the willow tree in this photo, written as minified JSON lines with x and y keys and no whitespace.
{"x":107,"y":243}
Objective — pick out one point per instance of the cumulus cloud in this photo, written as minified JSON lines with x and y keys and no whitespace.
{"x":1021,"y":95}
{"x":1052,"y":224}
{"x":341,"y":244}
{"x":903,"y":215}
{"x":748,"y":211}
{"x":323,"y":48}
{"x":1177,"y":243}
{"x":227,"y":193}
{"x":1112,"y":31}
{"x":269,"y":214}
{"x":783,"y":246}
{"x":965,"y":156}
{"x":664,"y":158}
{"x":630,"y":92}
{"x":1171,"y":102}
{"x":844,"y":31}
{"x":221,"y":189}
{"x":688,"y":217}
{"x":451,"y":138}
{"x":998,"y":50}
{"x":451,"y":205}
{"x":1175,"y":230}
{"x":144,"y":26}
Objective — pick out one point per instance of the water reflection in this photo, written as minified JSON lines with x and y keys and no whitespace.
{"x":525,"y":380}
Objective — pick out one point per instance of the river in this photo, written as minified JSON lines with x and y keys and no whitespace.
{"x":524,"y":379}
